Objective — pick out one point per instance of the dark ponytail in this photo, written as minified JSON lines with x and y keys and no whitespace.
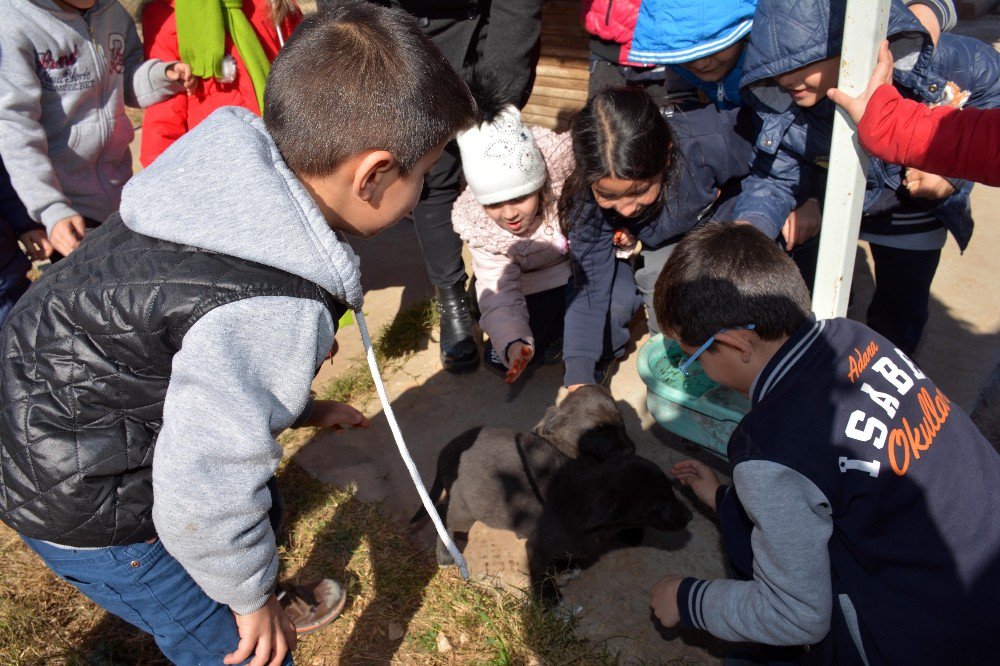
{"x":620,"y":133}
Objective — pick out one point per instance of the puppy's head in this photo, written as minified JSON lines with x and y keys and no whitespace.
{"x":630,"y":491}
{"x":587,"y":422}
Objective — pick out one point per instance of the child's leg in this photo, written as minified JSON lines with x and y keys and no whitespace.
{"x":546,"y":310}
{"x":625,"y":302}
{"x":11,"y":289}
{"x":645,"y":278}
{"x":145,"y":586}
{"x":899,"y":308}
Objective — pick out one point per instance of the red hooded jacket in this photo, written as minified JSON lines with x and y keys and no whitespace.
{"x":942,"y":140}
{"x":167,"y":121}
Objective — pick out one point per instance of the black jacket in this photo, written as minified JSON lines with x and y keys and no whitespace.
{"x":85,"y":359}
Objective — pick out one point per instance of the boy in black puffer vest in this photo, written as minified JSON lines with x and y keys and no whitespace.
{"x":143,"y":379}
{"x":862,"y":515}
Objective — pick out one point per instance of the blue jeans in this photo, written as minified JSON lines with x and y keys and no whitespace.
{"x":145,"y":586}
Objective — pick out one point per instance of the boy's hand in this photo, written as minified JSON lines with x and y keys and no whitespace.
{"x":181,"y":72}
{"x":855,"y":106}
{"x":336,"y":415}
{"x":802,"y":224}
{"x":519,"y":355}
{"x":67,"y":234}
{"x":37,"y":244}
{"x":923,"y":185}
{"x":700,"y":478}
{"x":663,"y":600}
{"x":267,"y":634}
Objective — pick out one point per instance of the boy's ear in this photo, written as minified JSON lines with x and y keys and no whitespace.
{"x":739,"y":339}
{"x":372,"y":172}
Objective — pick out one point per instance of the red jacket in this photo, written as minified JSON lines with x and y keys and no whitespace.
{"x":612,"y":21}
{"x":167,"y":121}
{"x":942,"y":140}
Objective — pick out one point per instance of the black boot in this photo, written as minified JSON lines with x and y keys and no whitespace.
{"x":458,"y":348}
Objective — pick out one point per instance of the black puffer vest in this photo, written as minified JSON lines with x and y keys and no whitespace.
{"x":85,"y":362}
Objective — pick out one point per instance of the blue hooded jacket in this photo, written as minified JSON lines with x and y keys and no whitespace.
{"x":793,"y":147}
{"x":671,"y":32}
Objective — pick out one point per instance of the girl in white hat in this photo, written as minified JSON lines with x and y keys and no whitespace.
{"x":508,"y":217}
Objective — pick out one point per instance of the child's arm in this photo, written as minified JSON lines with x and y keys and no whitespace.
{"x":942,"y":140}
{"x":504,"y":312}
{"x":242,"y":376}
{"x":936,"y":16}
{"x":789,"y":601}
{"x":778,"y":184}
{"x":592,"y":252}
{"x":23,"y":142}
{"x":166,"y":121}
{"x":151,"y":81}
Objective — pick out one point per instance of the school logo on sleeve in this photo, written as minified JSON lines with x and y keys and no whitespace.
{"x":61,"y":71}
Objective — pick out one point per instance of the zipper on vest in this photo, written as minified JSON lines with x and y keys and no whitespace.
{"x":607,"y":14}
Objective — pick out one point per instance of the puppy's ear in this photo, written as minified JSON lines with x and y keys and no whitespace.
{"x":554,"y":421}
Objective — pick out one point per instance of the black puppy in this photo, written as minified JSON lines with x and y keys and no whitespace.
{"x":566,"y":486}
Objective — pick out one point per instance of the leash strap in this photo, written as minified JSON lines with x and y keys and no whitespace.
{"x":404,"y":452}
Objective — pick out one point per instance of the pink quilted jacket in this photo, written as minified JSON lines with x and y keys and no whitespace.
{"x":612,"y":21}
{"x":508,"y":267}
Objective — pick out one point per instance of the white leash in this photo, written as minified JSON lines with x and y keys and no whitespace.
{"x":407,"y":460}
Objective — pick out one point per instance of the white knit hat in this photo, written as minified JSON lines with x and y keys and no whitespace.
{"x":500,"y":159}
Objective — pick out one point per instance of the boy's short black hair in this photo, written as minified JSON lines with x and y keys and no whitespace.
{"x":725,"y":275}
{"x":356,"y":76}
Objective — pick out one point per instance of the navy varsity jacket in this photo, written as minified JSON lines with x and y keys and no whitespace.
{"x":863,"y":512}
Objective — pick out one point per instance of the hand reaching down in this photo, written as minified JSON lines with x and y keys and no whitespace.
{"x":519,"y":356}
{"x":37,"y":244}
{"x":67,"y":234}
{"x":267,"y":634}
{"x":700,"y":478}
{"x":336,"y":416}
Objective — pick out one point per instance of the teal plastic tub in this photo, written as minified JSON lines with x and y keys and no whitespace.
{"x":695,"y":407}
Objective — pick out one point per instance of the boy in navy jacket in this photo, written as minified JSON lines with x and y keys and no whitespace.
{"x":792,"y":59}
{"x":862,"y":516}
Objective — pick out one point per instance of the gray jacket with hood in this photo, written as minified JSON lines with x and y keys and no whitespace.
{"x":65,"y":78}
{"x":244,"y":371}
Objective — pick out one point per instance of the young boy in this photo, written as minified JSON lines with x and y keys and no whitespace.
{"x":862,"y":515}
{"x":145,"y":378}
{"x":792,"y":60}
{"x":67,"y":70}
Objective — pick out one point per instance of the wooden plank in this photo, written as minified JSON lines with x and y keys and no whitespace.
{"x":580,"y":52}
{"x":562,"y":93}
{"x":556,"y":102}
{"x":565,"y":84}
{"x":566,"y":64}
{"x":568,"y":76}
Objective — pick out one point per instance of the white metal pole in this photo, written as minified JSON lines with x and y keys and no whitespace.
{"x":864,"y":29}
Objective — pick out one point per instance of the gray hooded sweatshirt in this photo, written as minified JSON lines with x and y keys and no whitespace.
{"x":65,"y":78}
{"x":244,"y":369}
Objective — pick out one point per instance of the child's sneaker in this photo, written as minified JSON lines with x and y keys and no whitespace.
{"x":312,"y":606}
{"x":553,"y":353}
{"x":605,"y":368}
{"x":492,"y":360}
